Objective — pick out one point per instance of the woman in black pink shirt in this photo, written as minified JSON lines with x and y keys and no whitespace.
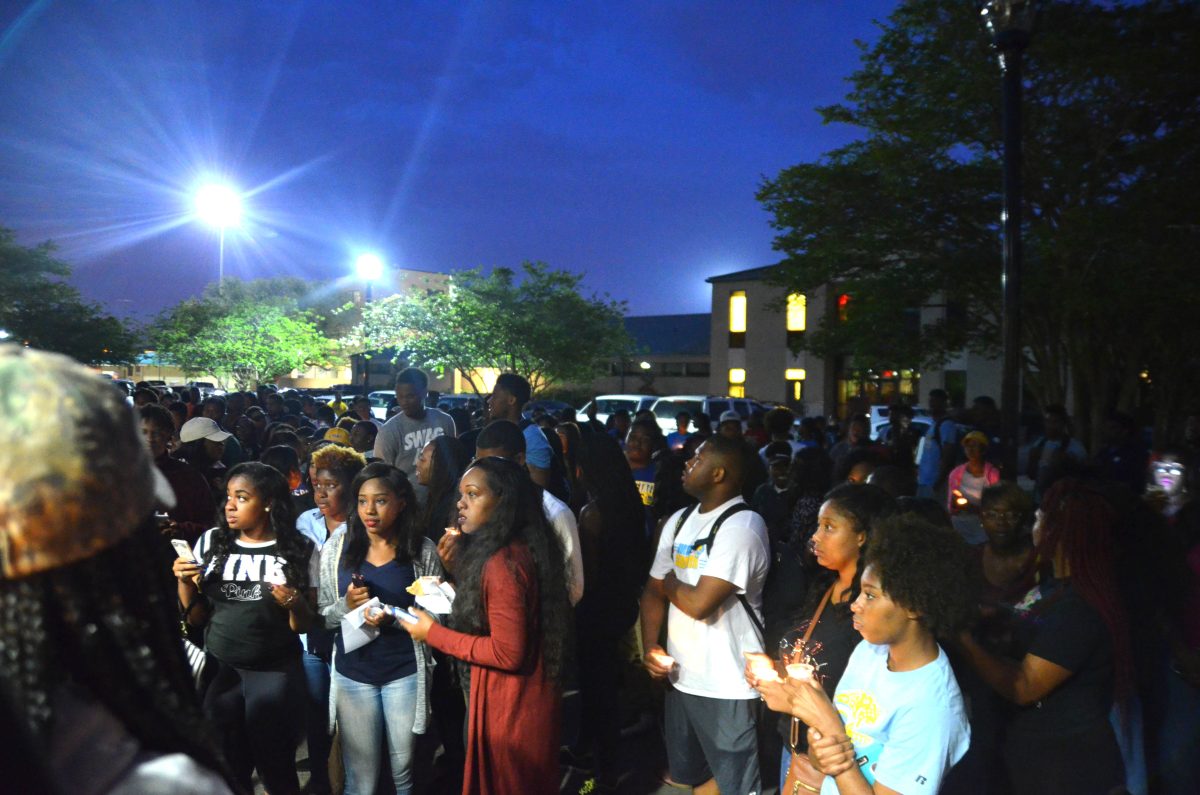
{"x":254,"y":590}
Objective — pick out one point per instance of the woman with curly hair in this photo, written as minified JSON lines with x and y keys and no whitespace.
{"x":839,"y":542}
{"x":511,"y":622}
{"x":380,"y":689}
{"x":333,"y":469}
{"x":1076,"y":661}
{"x":896,"y":722}
{"x":254,"y":589}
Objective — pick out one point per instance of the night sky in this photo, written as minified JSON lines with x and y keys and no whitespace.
{"x":624,"y":140}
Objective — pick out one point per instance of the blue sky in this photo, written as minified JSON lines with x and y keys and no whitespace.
{"x":622,"y":140}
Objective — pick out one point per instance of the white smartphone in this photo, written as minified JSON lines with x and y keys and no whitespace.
{"x":184,"y":549}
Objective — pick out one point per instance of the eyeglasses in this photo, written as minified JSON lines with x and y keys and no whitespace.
{"x":1001,"y":515}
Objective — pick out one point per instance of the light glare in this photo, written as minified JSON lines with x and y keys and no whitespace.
{"x":219,"y":206}
{"x":369,"y":267}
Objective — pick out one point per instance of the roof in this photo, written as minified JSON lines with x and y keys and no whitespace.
{"x":682,"y":335}
{"x":748,"y":275}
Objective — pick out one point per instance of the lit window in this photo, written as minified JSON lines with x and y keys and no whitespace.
{"x":795,"y":374}
{"x":737,"y":391}
{"x":737,"y":311}
{"x":797,"y":312}
{"x":737,"y":375}
{"x":797,"y":390}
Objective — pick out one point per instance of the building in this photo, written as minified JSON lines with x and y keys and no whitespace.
{"x":670,"y":357}
{"x":756,"y":323}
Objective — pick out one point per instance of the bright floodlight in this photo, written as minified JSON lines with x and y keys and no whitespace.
{"x":219,"y":206}
{"x":369,"y":267}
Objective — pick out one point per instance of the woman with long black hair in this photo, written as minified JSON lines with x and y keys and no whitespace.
{"x":379,"y":689}
{"x":92,"y":672}
{"x":511,"y":621}
{"x":615,"y":562}
{"x":254,"y":589}
{"x":439,"y":466}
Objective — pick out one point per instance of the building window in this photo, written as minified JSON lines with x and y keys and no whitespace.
{"x":737,"y":382}
{"x":698,"y":369}
{"x":737,"y":319}
{"x":672,"y":368}
{"x":797,"y":318}
{"x":795,"y":377}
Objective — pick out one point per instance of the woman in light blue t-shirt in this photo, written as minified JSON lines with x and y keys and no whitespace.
{"x":896,"y":722}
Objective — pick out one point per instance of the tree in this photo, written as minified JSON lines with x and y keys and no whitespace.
{"x":909,"y":215}
{"x":247,"y":333}
{"x":539,"y":326}
{"x":39,"y":308}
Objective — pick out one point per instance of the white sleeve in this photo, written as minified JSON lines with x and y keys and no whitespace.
{"x":567,"y":531}
{"x":738,"y":554}
{"x":664,"y":556}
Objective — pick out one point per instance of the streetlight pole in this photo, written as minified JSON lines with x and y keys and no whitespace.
{"x":1009,"y":22}
{"x":220,"y":207}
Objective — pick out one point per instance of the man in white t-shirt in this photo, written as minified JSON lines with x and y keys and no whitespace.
{"x":709,"y":589}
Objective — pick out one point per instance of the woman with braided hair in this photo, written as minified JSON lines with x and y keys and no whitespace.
{"x":254,"y":588}
{"x":91,"y":662}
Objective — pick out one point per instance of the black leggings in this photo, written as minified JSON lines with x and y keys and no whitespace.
{"x":259,"y":716}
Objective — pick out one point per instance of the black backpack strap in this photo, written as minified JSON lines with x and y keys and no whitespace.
{"x":683,"y":517}
{"x":708,"y":542}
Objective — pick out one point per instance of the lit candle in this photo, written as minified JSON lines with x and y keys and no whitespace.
{"x":764,"y":671}
{"x":800,"y":671}
{"x":663,"y":659}
{"x":453,"y":531}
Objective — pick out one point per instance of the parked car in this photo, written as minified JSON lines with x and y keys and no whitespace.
{"x":607,"y":404}
{"x":554,"y":407}
{"x":380,"y":401}
{"x":207,"y":388}
{"x":665,"y":408}
{"x":125,"y":385}
{"x":880,"y":422}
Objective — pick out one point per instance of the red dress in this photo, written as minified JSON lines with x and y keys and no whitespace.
{"x":514,"y":720}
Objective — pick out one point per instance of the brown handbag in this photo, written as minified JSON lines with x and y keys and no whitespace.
{"x":801,"y":775}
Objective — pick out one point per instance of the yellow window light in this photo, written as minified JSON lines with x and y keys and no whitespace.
{"x":737,"y":311}
{"x":797,"y":312}
{"x":794,"y":374}
{"x":737,"y":375}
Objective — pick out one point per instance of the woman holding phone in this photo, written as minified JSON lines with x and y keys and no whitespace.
{"x":380,"y":688}
{"x":511,"y":622}
{"x":250,"y":582}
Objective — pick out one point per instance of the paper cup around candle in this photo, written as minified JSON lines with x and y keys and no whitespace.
{"x":800,"y":671}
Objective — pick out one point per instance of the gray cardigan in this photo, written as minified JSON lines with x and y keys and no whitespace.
{"x":332,"y":606}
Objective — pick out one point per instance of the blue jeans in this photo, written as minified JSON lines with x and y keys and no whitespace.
{"x":365,"y":713}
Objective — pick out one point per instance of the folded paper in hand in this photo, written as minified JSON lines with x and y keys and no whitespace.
{"x":440,"y":601}
{"x":356,"y":632}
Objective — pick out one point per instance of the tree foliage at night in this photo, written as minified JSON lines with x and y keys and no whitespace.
{"x":39,"y":308}
{"x":538,"y":325}
{"x":909,"y":215}
{"x":245,"y":333}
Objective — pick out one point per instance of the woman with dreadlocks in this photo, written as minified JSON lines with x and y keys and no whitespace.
{"x":255,"y":589}
{"x":1077,"y":661}
{"x":92,"y":669}
{"x":511,"y":622}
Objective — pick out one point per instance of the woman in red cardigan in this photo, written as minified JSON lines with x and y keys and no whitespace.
{"x":511,"y":622}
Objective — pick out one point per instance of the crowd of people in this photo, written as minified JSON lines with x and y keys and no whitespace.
{"x":474,"y":602}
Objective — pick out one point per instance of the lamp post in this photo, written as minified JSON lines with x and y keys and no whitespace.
{"x":220,"y":207}
{"x":1009,"y":22}
{"x":369,"y":267}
